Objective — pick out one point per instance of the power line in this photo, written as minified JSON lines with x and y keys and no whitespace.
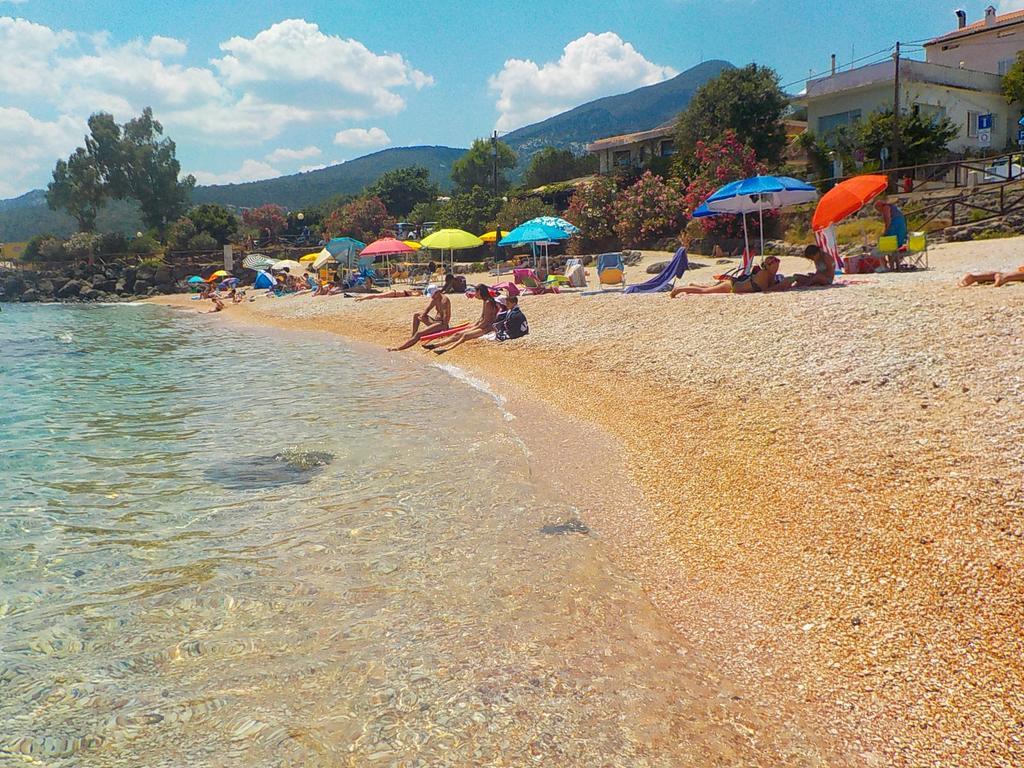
{"x":813,"y":75}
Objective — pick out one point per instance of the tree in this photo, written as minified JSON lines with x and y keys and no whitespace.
{"x":718,"y":163}
{"x":364,"y":219}
{"x":471,"y":211}
{"x":403,"y":188}
{"x":650,"y":209}
{"x":551,"y":165}
{"x":591,"y":209}
{"x":216,"y":221}
{"x":267,"y":221}
{"x":516,"y":210}
{"x":152,"y":171}
{"x":1013,"y":81}
{"x":81,"y":245}
{"x":476,"y":167}
{"x":747,"y":101}
{"x":422,"y":212}
{"x":922,"y":139}
{"x":78,"y":188}
{"x":180,"y":233}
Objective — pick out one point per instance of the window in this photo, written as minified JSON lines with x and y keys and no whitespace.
{"x":621,"y":158}
{"x":828,"y":123}
{"x":951,"y":47}
{"x":1006,"y":33}
{"x":1005,"y":65}
{"x":668,"y":148}
{"x":933,"y":112}
{"x":972,"y":124}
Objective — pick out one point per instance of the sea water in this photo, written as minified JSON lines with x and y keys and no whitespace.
{"x":222,"y":546}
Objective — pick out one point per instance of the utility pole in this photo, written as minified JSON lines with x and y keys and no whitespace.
{"x":494,"y":146}
{"x":896,"y":114}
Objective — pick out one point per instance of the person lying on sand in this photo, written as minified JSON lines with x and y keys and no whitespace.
{"x":996,"y":278}
{"x":482,"y":327}
{"x":759,"y":281}
{"x":408,"y":292}
{"x":824,"y":270}
{"x":441,"y":307}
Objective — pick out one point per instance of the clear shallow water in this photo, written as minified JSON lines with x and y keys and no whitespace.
{"x":230,"y":547}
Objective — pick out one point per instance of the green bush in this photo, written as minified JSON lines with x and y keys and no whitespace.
{"x":153,"y":262}
{"x":111,"y":244}
{"x":144,"y":246}
{"x":81,"y":245}
{"x":203,"y":241}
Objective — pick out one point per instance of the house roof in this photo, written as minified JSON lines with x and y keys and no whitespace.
{"x":1005,"y":20}
{"x":662,"y":131}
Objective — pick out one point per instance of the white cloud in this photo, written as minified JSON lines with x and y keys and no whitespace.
{"x":361,"y":138}
{"x":589,"y":67}
{"x":33,"y":146}
{"x":26,"y":49}
{"x":251,"y":170}
{"x":160,"y":46}
{"x":283,"y":154}
{"x":294,"y":62}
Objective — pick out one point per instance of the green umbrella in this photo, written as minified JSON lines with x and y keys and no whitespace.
{"x":451,"y":240}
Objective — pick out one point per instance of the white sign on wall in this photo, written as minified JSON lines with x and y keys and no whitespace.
{"x":985,"y":138}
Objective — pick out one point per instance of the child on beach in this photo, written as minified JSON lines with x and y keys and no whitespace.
{"x":482,"y":327}
{"x":510,"y":324}
{"x":996,"y":278}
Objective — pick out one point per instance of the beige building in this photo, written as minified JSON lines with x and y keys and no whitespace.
{"x":633,"y":150}
{"x":962,"y":95}
{"x":988,"y":45}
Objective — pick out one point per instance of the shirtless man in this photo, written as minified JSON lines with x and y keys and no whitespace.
{"x":439,"y":304}
{"x":996,"y":278}
{"x":824,"y":270}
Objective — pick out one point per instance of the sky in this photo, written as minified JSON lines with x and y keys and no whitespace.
{"x":261,"y":88}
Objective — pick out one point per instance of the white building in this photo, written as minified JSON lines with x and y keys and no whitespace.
{"x":988,"y":45}
{"x":633,"y":150}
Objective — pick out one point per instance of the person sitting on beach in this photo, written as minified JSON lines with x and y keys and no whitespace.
{"x":441,"y":306}
{"x":761,"y":280}
{"x":510,"y":324}
{"x":895,"y":226}
{"x":481,"y":327}
{"x":824,"y":270}
{"x":996,"y":278}
{"x":404,"y":294}
{"x":218,"y":305}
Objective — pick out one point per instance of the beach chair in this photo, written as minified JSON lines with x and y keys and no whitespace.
{"x":611,"y":270}
{"x":529,"y":280}
{"x":917,"y":251}
{"x":366,"y":273}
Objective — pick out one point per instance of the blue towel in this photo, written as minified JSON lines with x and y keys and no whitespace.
{"x":675,"y":269}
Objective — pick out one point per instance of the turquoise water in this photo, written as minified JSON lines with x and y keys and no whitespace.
{"x":222,"y":546}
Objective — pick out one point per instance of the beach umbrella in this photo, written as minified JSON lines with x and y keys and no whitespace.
{"x":309,"y":257}
{"x":413,"y":244}
{"x":490,"y":237}
{"x":555,"y":221}
{"x":757,"y":195}
{"x":451,"y":240}
{"x":218,"y":273}
{"x":322,"y":259}
{"x":231,"y":282}
{"x":846,"y":198}
{"x":195,"y":279}
{"x":386,"y":247}
{"x":257,"y":262}
{"x":536,"y":233}
{"x":290,"y":264}
{"x":344,"y":246}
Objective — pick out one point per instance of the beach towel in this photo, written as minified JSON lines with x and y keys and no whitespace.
{"x":663,"y":282}
{"x":826,"y":239}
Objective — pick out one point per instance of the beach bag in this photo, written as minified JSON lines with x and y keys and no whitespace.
{"x":511,"y":325}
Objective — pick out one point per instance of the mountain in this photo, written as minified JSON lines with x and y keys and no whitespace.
{"x":348,"y":178}
{"x":639,"y":110}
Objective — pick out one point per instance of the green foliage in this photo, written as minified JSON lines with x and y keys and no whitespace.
{"x":516,"y":210}
{"x":1013,"y":81}
{"x":120,"y":162}
{"x":179,"y":234}
{"x":111,"y":243}
{"x":403,"y":188}
{"x":922,"y":139}
{"x":476,"y":167}
{"x":747,"y":101}
{"x":591,"y":209}
{"x":145,"y":245}
{"x":216,"y":221}
{"x":471,"y":211}
{"x":81,"y":245}
{"x":203,"y":241}
{"x":552,"y":164}
{"x":44,"y":248}
{"x":266,"y":221}
{"x":717,"y":163}
{"x":422,"y":212}
{"x":78,"y":188}
{"x":364,"y":219}
{"x":649,"y":210}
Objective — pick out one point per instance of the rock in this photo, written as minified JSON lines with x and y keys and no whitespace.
{"x":163,"y":276}
{"x":30,"y":295}
{"x":106,"y":285}
{"x":181,"y":271}
{"x":70,"y":289}
{"x":657,"y":267}
{"x":13,"y":286}
{"x":121,"y":287}
{"x":145,"y":273}
{"x":58,"y":282}
{"x":89,"y":294}
{"x":45,"y":287}
{"x":141,"y":286}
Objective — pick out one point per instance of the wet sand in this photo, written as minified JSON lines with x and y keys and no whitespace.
{"x":831,"y":484}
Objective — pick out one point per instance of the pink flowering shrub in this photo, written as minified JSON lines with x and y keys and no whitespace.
{"x":718,"y":163}
{"x":591,"y":210}
{"x":650,"y":209}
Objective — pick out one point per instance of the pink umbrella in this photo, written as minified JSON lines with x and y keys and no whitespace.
{"x":386,"y":247}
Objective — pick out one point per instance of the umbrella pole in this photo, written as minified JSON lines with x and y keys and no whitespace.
{"x":760,"y":216}
{"x":746,"y":245}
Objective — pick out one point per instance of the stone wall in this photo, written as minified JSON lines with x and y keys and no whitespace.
{"x":92,"y":282}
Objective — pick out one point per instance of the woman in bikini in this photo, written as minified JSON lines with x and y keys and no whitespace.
{"x":407,"y":293}
{"x":758,"y":281}
{"x":482,"y":327}
{"x":996,"y":278}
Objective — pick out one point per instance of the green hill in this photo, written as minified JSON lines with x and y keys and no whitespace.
{"x":639,"y":110}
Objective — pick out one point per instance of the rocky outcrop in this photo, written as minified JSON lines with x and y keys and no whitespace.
{"x":100,"y":282}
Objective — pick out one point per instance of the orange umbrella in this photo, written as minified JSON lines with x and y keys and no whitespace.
{"x":846,"y":198}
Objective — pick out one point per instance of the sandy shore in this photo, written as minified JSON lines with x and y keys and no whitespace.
{"x":833,"y":483}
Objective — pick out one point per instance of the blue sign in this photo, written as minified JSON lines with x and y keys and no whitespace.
{"x":985,"y":122}
{"x":1021,"y":121}
{"x":1020,"y":137}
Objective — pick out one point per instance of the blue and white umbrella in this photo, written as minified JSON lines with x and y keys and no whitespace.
{"x":757,"y":194}
{"x":555,"y":221}
{"x":537,"y":232}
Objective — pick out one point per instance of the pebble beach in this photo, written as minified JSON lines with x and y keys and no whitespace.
{"x":828,"y":484}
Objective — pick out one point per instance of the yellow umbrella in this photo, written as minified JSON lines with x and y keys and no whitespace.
{"x":221,"y":273}
{"x":413,"y":244}
{"x":490,"y":237}
{"x":309,"y":257}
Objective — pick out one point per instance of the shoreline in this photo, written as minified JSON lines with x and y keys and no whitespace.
{"x":816,"y":518}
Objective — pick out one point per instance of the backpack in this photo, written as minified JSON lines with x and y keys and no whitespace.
{"x":511,"y":325}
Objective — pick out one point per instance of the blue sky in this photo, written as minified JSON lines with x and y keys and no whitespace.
{"x":260,"y":88}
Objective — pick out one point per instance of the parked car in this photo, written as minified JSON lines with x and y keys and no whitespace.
{"x":1001,"y":170}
